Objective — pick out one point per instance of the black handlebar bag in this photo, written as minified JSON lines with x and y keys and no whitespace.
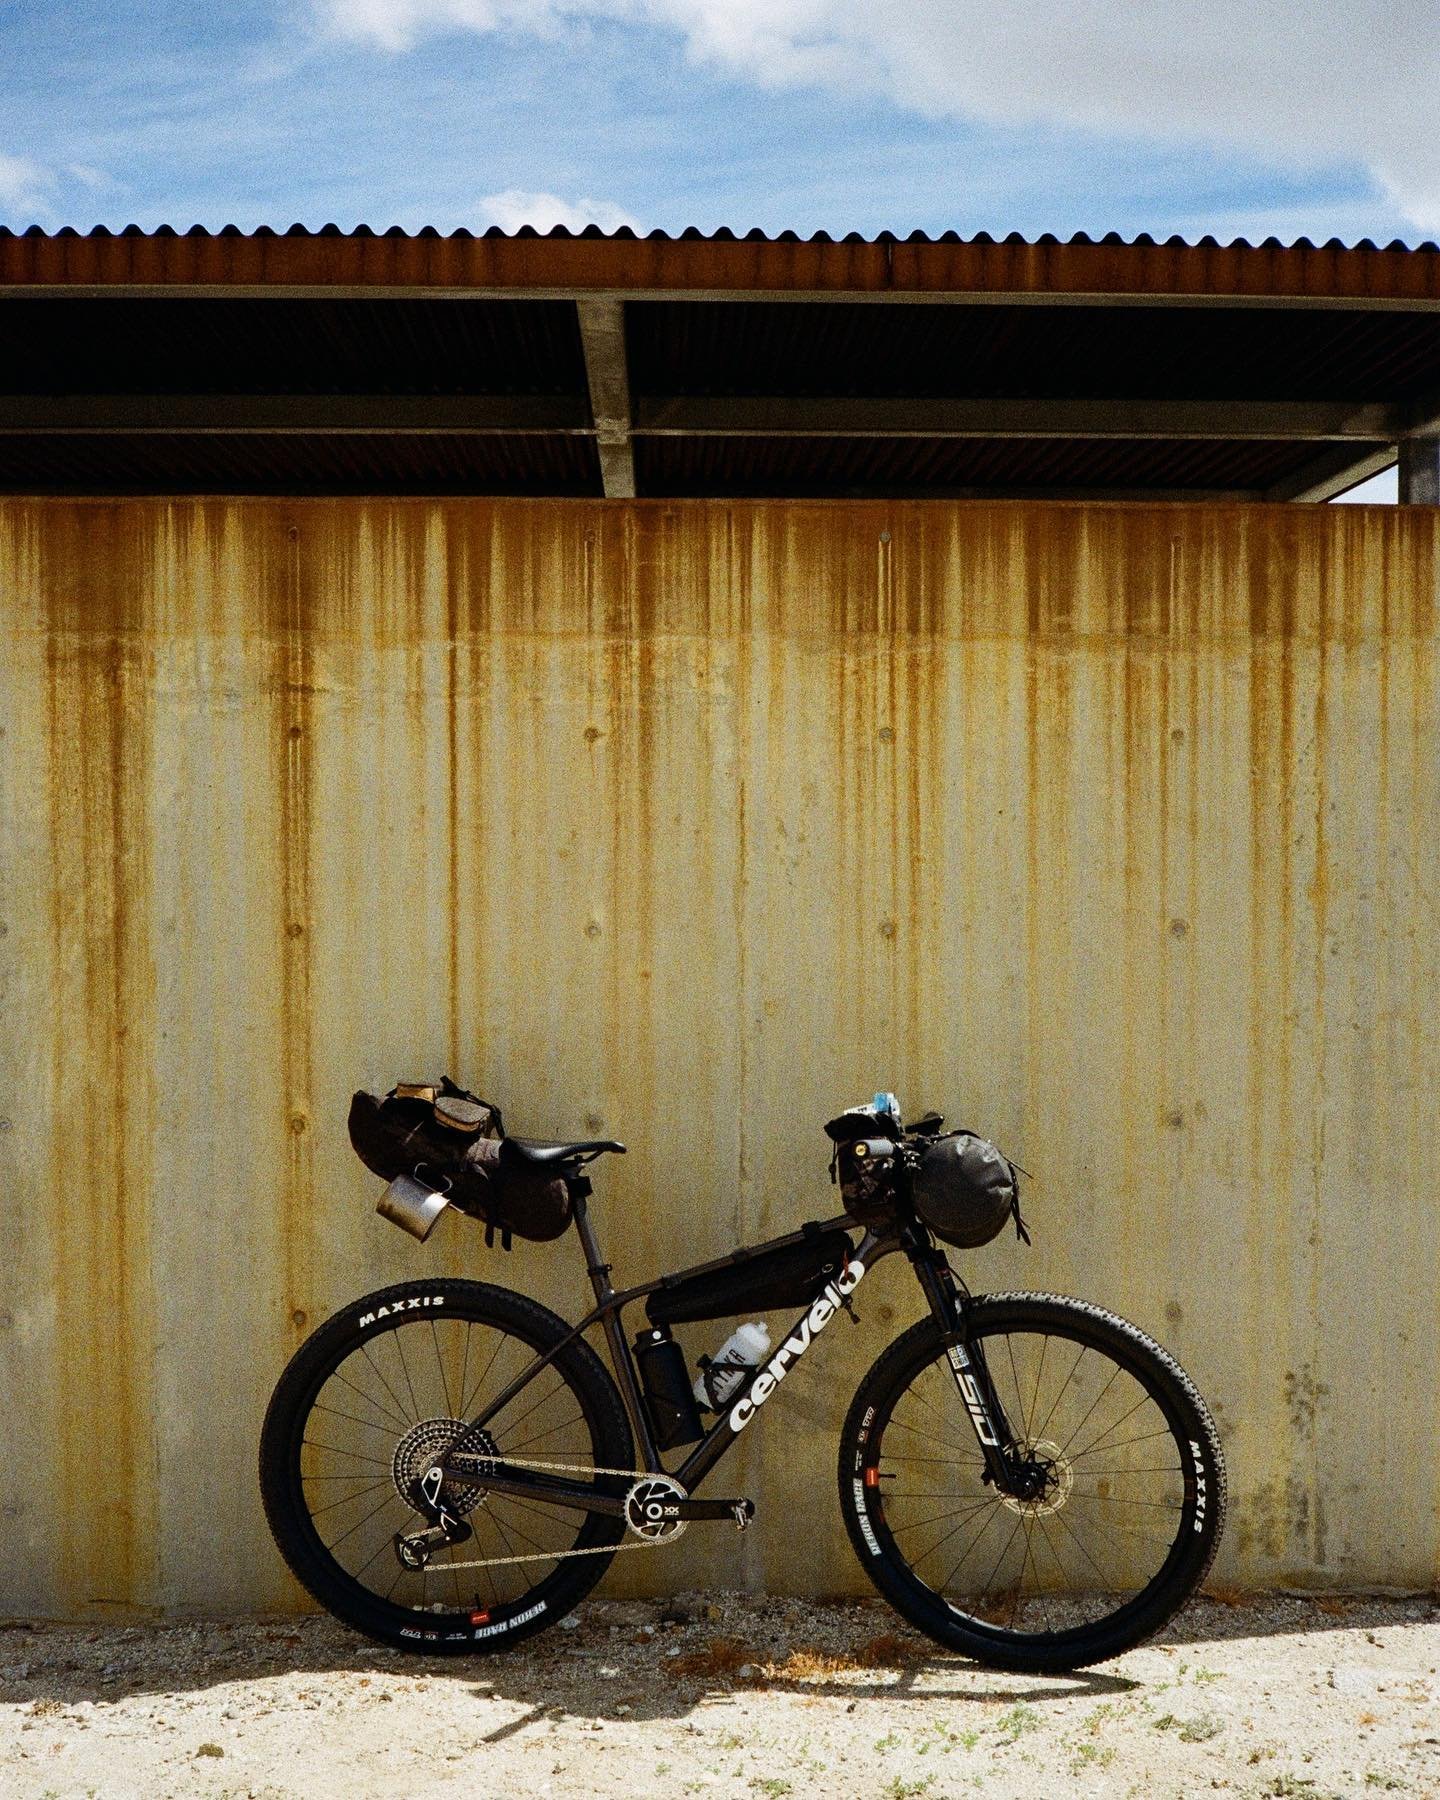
{"x":452,"y":1142}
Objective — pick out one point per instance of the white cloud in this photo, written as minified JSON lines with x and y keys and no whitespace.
{"x":25,"y":187}
{"x":514,"y":208}
{"x":1312,"y":85}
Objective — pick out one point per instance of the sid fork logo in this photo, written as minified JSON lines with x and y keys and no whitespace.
{"x":970,"y":1394}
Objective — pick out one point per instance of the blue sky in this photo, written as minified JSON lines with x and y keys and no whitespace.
{"x":788,"y":113}
{"x":1233,"y":117}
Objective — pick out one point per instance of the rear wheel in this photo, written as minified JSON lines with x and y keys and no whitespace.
{"x":366,"y":1408}
{"x":1124,"y":1486}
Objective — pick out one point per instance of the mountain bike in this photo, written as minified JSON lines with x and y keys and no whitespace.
{"x":449,"y":1467}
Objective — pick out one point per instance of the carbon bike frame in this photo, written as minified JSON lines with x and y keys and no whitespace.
{"x":947,"y":1299}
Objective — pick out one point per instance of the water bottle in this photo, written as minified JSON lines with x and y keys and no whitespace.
{"x":745,"y":1349}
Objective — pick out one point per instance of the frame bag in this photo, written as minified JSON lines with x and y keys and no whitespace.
{"x":788,"y":1276}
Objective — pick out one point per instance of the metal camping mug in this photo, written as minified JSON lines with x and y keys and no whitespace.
{"x":412,"y":1206}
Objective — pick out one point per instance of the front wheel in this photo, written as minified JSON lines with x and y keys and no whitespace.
{"x":1126,"y":1503}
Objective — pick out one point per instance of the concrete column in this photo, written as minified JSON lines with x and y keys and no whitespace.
{"x":1420,"y":471}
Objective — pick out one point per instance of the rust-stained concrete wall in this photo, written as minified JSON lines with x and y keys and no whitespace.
{"x":1112,"y":831}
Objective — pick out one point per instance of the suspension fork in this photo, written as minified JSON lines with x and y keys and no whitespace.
{"x":949,"y":1300}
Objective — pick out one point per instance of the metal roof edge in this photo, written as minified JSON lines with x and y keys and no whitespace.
{"x":561,"y":262}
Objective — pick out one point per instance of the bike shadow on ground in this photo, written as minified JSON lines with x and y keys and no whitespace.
{"x":623,"y":1660}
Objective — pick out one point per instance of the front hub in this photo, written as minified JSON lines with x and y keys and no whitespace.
{"x":1041,"y":1480}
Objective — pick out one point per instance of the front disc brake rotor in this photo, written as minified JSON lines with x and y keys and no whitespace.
{"x":1058,"y":1479}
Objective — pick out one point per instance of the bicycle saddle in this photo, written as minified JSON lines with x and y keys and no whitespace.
{"x":540,"y":1152}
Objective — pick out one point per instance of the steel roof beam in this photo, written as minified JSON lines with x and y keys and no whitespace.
{"x":387,"y":415}
{"x":602,"y":335}
{"x":1334,"y":471}
{"x":1284,"y":421}
{"x":1420,"y":472}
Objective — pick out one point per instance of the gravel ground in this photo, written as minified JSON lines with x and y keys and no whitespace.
{"x":727,"y":1696}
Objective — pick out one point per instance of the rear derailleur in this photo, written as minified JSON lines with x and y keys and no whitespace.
{"x":414,"y":1549}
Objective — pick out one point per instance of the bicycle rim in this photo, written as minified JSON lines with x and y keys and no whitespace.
{"x":1126,"y":1520}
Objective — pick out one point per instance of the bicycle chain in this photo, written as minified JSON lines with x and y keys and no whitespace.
{"x":531,"y":1462}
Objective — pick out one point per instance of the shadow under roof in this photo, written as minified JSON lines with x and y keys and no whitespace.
{"x":333,"y":362}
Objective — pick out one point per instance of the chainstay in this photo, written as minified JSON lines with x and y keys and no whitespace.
{"x":532,"y":1462}
{"x":491,"y":1562}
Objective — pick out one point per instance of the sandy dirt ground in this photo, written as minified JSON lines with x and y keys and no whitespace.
{"x":727,"y":1696}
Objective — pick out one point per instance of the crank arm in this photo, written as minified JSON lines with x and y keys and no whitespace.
{"x":537,"y":1487}
{"x":734,"y":1510}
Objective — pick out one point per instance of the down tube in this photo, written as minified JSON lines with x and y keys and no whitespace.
{"x":745,"y":1408}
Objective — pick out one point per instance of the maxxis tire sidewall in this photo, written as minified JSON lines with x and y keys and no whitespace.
{"x":290,"y":1523}
{"x":1180,"y":1400}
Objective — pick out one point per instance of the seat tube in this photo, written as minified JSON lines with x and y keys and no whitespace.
{"x":620,"y":1358}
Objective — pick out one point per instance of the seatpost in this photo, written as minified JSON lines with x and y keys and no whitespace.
{"x":598,"y":1271}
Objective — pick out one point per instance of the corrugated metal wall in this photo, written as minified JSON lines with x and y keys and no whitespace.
{"x":1110,"y":831}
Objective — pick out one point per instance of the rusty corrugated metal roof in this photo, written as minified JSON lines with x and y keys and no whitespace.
{"x":723,"y":261}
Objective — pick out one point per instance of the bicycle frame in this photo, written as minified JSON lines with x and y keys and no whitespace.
{"x":947,"y":1300}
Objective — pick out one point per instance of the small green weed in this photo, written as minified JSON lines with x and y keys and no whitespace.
{"x":1020,"y":1719}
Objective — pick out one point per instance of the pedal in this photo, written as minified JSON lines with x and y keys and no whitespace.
{"x":743,"y":1512}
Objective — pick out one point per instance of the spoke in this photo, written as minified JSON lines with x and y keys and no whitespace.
{"x":1040,"y":1430}
{"x":1121,"y":1500}
{"x":515,"y":1424}
{"x":1000,"y":1559}
{"x":510,"y":1449}
{"x":958,"y":1512}
{"x":332,"y":1548}
{"x":1096,"y":1442}
{"x":997,"y":1513}
{"x":1055,"y":1559}
{"x":1020,"y":1584}
{"x":494,"y":1519}
{"x":365,"y":1424}
{"x":464,"y":1373}
{"x":1168,"y":1469}
{"x":400,"y":1404}
{"x":1104,"y":1585}
{"x":399,"y":1338}
{"x":930,"y":1437}
{"x":481,"y":1377}
{"x":1015,"y":1377}
{"x":440,"y":1365}
{"x":944,"y":1462}
{"x":359,"y":1475}
{"x":1035,"y":1397}
{"x":891,"y":1494}
{"x":370,"y":1400}
{"x":344,"y":1500}
{"x":913,"y":1393}
{"x":1148,"y":1437}
{"x":940,"y":1543}
{"x":1113,"y":1525}
{"x":1114,"y":1377}
{"x":354,"y":1455}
